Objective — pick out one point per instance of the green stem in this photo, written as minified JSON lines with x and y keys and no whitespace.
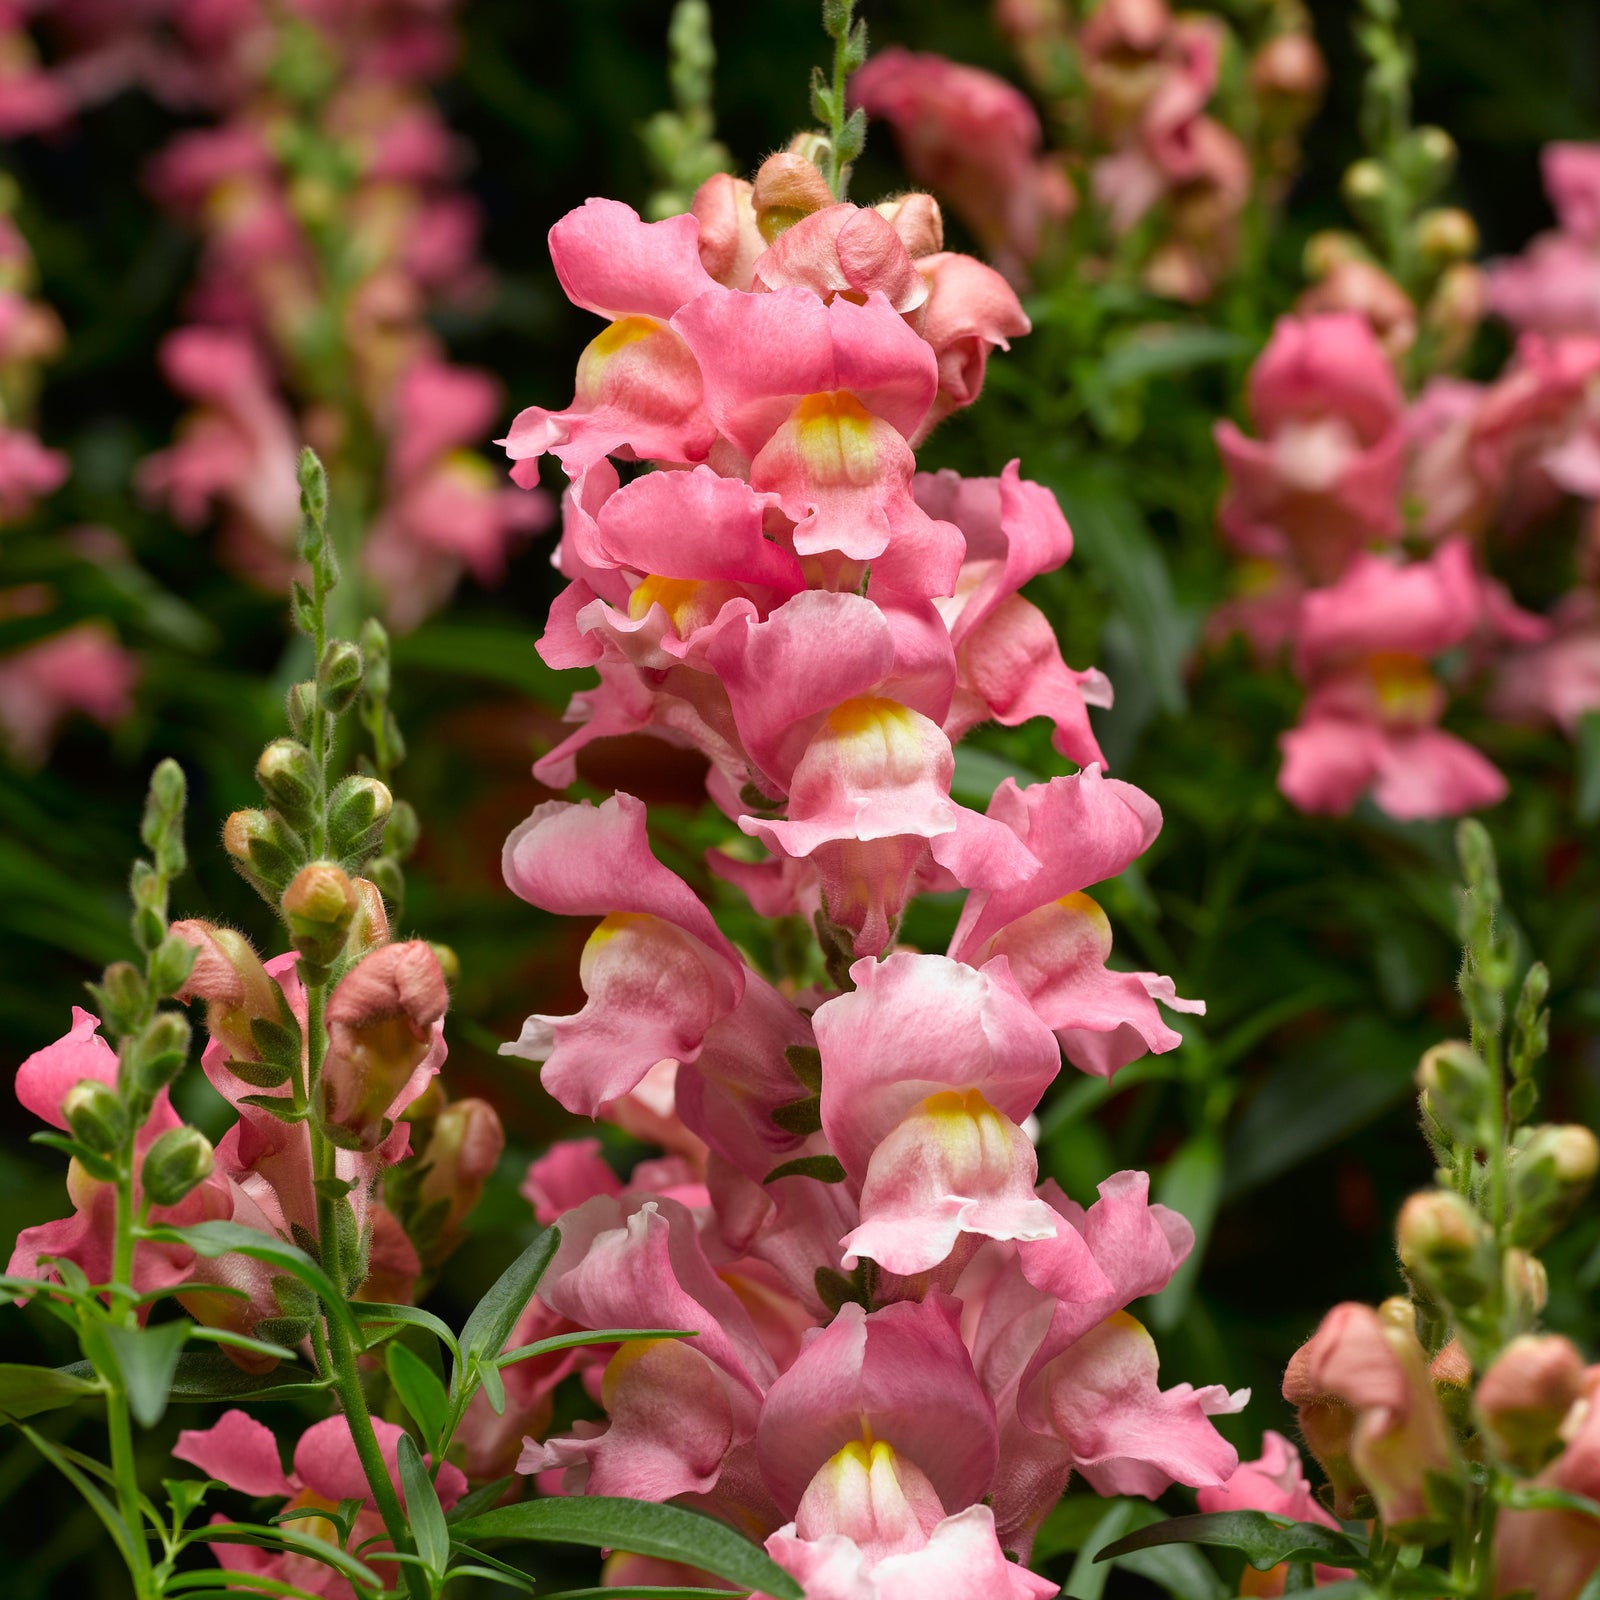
{"x":119,"y":1425}
{"x":838,"y":169}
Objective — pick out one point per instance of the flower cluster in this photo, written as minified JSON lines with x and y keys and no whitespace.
{"x":60,"y":670}
{"x":1371,"y":526}
{"x":903,"y":1344}
{"x":1133,"y":87}
{"x":325,"y":192}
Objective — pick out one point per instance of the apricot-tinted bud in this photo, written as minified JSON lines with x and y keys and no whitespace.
{"x":1446,"y":1247}
{"x":1456,"y":1091}
{"x":1446,"y":234}
{"x":1365,"y":186}
{"x":787,"y":187}
{"x":263,"y":848}
{"x":370,"y":925}
{"x":1288,"y":72}
{"x":1451,"y":1371}
{"x":1456,"y":307}
{"x":227,"y":974}
{"x":174,"y":1164}
{"x":1551,"y":1172}
{"x":1527,"y":1284}
{"x":1525,"y":1395}
{"x":96,"y":1115}
{"x":319,"y":907}
{"x":288,"y":779}
{"x":1331,"y":248}
{"x":460,"y":1155}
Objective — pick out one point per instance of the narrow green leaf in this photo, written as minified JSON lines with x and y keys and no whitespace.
{"x":642,"y":1528}
{"x":423,"y":1511}
{"x":148,"y":1358}
{"x":487,"y":1329}
{"x":1264,"y":1540}
{"x":506,"y":1573}
{"x":495,"y":1574}
{"x":421,"y":1393}
{"x":568,"y":1341}
{"x":643,"y":1591}
{"x":121,"y":1534}
{"x":372,"y":1315}
{"x":1087,"y":1580}
{"x":1192,"y":1185}
{"x":487,"y":1373}
{"x":25,"y":1391}
{"x":1532,"y":1497}
{"x":242,"y":1341}
{"x":823,"y":1169}
{"x":480,"y":1499}
{"x":280,"y":1538}
{"x":227,"y":1578}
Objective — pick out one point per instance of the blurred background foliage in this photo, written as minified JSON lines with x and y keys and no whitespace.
{"x":1325,"y":949}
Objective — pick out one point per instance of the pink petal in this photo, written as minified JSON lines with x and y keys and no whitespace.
{"x":238,"y":1451}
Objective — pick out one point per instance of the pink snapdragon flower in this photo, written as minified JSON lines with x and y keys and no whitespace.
{"x":28,"y":472}
{"x":929,"y":1068}
{"x":242,"y":1454}
{"x":1323,"y":480}
{"x":1554,"y":286}
{"x":975,"y":140}
{"x":82,"y":669}
{"x":1371,"y":719}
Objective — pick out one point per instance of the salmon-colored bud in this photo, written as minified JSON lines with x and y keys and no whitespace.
{"x":1289,"y":73}
{"x":1525,"y":1396}
{"x":460,"y":1155}
{"x":369,"y":927}
{"x":1456,"y":308}
{"x":319,"y":906}
{"x":1451,"y":1368}
{"x":917,"y":221}
{"x":384,"y":1025}
{"x":787,"y":188}
{"x":228,"y":975}
{"x":1368,"y":1410}
{"x":1527,"y":1283}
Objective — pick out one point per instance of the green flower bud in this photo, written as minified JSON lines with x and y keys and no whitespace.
{"x":289,"y":779}
{"x":96,"y":1115}
{"x":265,"y":849}
{"x":119,"y":996}
{"x":156,"y":1056}
{"x":170,"y":965}
{"x":299,"y":704}
{"x":174,"y":1164}
{"x":1456,"y":1090}
{"x":375,"y":653}
{"x":1551,"y":1171}
{"x":339,"y":675}
{"x":1446,"y":1247}
{"x":401,"y":831}
{"x":357,"y":812}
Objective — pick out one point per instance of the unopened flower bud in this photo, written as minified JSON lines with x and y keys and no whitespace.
{"x":462,"y":1151}
{"x":402,"y":830}
{"x":787,"y":187}
{"x":357,"y":812}
{"x":1525,"y":1395}
{"x":1456,"y":1090}
{"x":1331,"y":248}
{"x":370,"y":925}
{"x":1527,"y":1284}
{"x":1451,"y":1371}
{"x":156,"y":1056}
{"x":228,"y":975}
{"x":1426,"y":158}
{"x":449,"y":961}
{"x":339,"y":675}
{"x":264,"y":849}
{"x":1446,"y":233}
{"x":300,"y":702}
{"x":289,"y":780}
{"x":1551,"y":1172}
{"x":120,"y":996}
{"x":1289,"y":75}
{"x":1456,"y":307}
{"x":375,"y":654}
{"x":319,"y":907}
{"x":918,"y":222}
{"x":174,"y":1164}
{"x":96,"y":1115}
{"x":1446,"y":1247}
{"x":1365,"y":187}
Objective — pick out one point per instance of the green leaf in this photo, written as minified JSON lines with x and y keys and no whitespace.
{"x":1532,"y":1497}
{"x":243,"y":1341}
{"x":642,"y":1528}
{"x":148,"y":1358}
{"x":227,"y":1578}
{"x":281,"y":1538}
{"x":25,"y":1391}
{"x":496,"y":655}
{"x":371,"y":1314}
{"x":1191,"y":1184}
{"x":421,"y":1393}
{"x":643,"y":1591}
{"x":1586,"y":798}
{"x":480,"y":1499}
{"x":980,"y":772}
{"x":567,"y":1341}
{"x":494,"y":1386}
{"x":208,"y":1375}
{"x":1156,"y":349}
{"x":1264,"y":1540}
{"x":211,"y":1239}
{"x":495,"y":1315}
{"x":1087,"y":1580}
{"x":184,"y":1496}
{"x":119,"y":1530}
{"x":824,"y":1169}
{"x":423,"y":1511}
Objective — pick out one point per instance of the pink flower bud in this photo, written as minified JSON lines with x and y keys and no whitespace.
{"x":1525,"y":1396}
{"x":462,"y":1150}
{"x":228,"y":975}
{"x":787,"y":187}
{"x":384,"y":1022}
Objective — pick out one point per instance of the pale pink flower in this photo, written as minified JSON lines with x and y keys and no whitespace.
{"x":82,"y":669}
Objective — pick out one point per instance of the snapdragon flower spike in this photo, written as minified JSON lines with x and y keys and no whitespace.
{"x":1056,"y":938}
{"x":242,"y":1454}
{"x":639,"y":389}
{"x":658,"y":971}
{"x":1370,"y":722}
{"x":929,"y":1069}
